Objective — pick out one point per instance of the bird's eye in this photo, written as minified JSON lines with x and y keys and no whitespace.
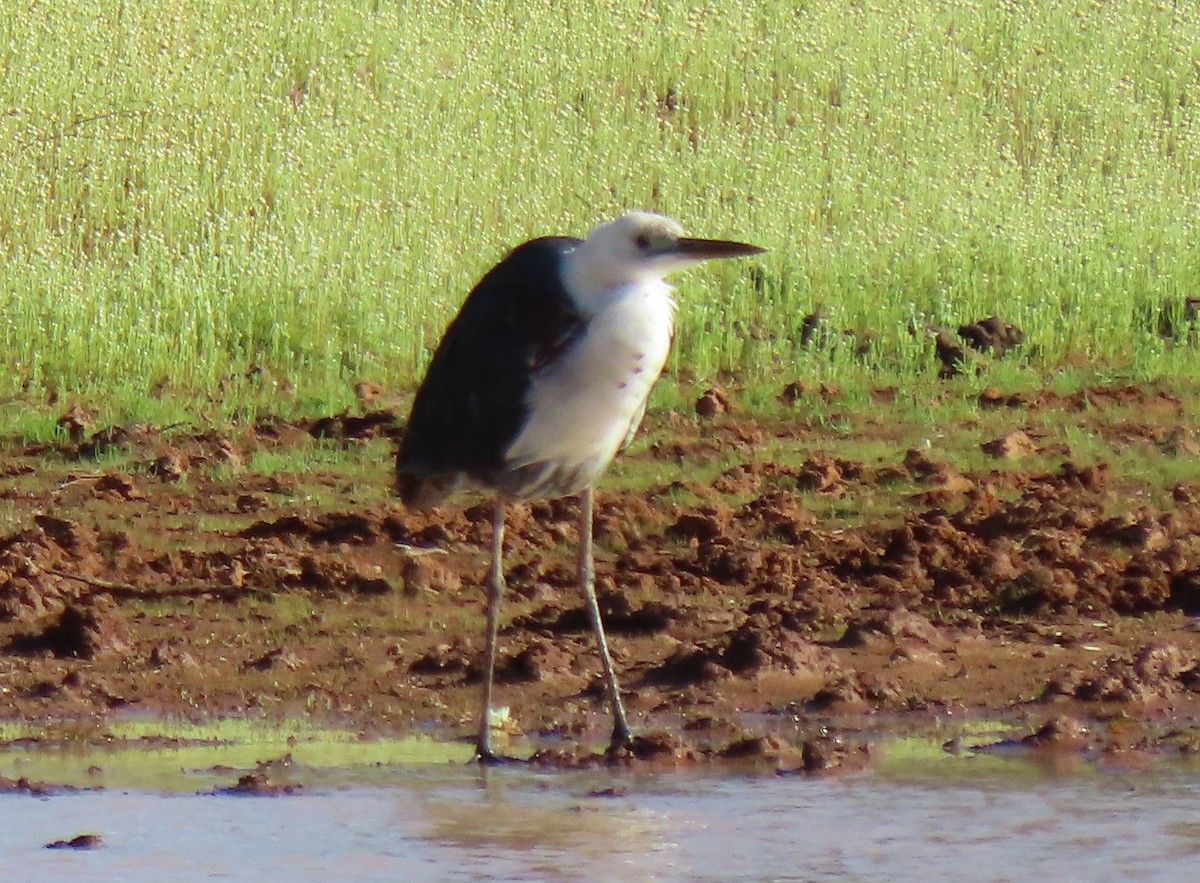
{"x":642,"y":242}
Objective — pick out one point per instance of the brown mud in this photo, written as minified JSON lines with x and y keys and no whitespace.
{"x":151,"y":573}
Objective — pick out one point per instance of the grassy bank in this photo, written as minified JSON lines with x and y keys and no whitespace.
{"x":190,"y":190}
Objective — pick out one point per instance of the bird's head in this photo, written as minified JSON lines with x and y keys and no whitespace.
{"x":642,"y":247}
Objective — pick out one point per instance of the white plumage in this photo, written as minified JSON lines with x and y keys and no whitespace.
{"x":584,"y":407}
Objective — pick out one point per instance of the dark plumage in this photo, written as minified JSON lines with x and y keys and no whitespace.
{"x":472,"y":402}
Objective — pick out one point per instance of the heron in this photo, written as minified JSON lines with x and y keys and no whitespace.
{"x":538,"y":382}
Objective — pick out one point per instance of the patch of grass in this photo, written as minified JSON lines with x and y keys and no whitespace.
{"x":294,"y":610}
{"x":12,"y":518}
{"x":195,"y":193}
{"x":1143,"y":439}
{"x":370,"y":463}
{"x":177,"y":757}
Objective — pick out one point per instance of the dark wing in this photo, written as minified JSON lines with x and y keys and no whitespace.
{"x":471,"y":404}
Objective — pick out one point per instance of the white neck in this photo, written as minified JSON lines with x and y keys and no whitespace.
{"x":592,"y":278}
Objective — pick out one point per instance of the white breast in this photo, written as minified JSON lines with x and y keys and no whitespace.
{"x":585,"y":404}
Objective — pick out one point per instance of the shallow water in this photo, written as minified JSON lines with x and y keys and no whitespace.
{"x":915,"y":816}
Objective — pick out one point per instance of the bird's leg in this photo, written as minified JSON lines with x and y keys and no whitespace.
{"x":495,"y":584}
{"x":621,"y":736}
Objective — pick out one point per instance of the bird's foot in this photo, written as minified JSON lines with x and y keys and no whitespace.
{"x":484,"y":756}
{"x":621,"y":742}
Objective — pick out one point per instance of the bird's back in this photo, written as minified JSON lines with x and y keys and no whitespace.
{"x":472,"y":402}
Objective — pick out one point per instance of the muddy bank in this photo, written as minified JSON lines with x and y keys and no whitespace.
{"x":174,"y":575}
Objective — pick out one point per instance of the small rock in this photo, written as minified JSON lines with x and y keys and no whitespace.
{"x":842,"y":695}
{"x":770,"y":748}
{"x":992,"y":335}
{"x":1013,"y":445}
{"x":169,"y":466}
{"x":82,"y":841}
{"x":951,"y":353}
{"x":256,"y":785}
{"x":821,"y":474}
{"x":830,"y":754}
{"x":366,"y":392}
{"x":76,"y":422}
{"x":428,"y":573}
{"x":1161,"y":661}
{"x":279,"y":656}
{"x":794,"y":392}
{"x":1062,"y":734}
{"x":228,"y":454}
{"x":713,"y":402}
{"x":120,"y":485}
{"x":898,"y":625}
{"x":810,"y":325}
{"x":79,"y":632}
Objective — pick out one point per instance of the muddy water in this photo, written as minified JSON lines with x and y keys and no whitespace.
{"x":915,"y":815}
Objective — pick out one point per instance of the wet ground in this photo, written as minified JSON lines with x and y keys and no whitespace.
{"x":1016,"y":814}
{"x":765,"y":580}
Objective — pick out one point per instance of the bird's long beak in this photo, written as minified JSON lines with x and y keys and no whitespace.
{"x":703,"y":249}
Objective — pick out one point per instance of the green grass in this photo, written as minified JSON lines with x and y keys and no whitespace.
{"x":191,"y":190}
{"x":179,"y":757}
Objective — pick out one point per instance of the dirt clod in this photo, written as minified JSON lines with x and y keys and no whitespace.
{"x":1013,"y":445}
{"x":992,"y":335}
{"x":80,"y":841}
{"x":256,"y":784}
{"x":76,"y":633}
{"x":712,"y":402}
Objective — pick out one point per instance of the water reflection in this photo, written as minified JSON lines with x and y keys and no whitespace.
{"x":580,"y":833}
{"x":977,"y":817}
